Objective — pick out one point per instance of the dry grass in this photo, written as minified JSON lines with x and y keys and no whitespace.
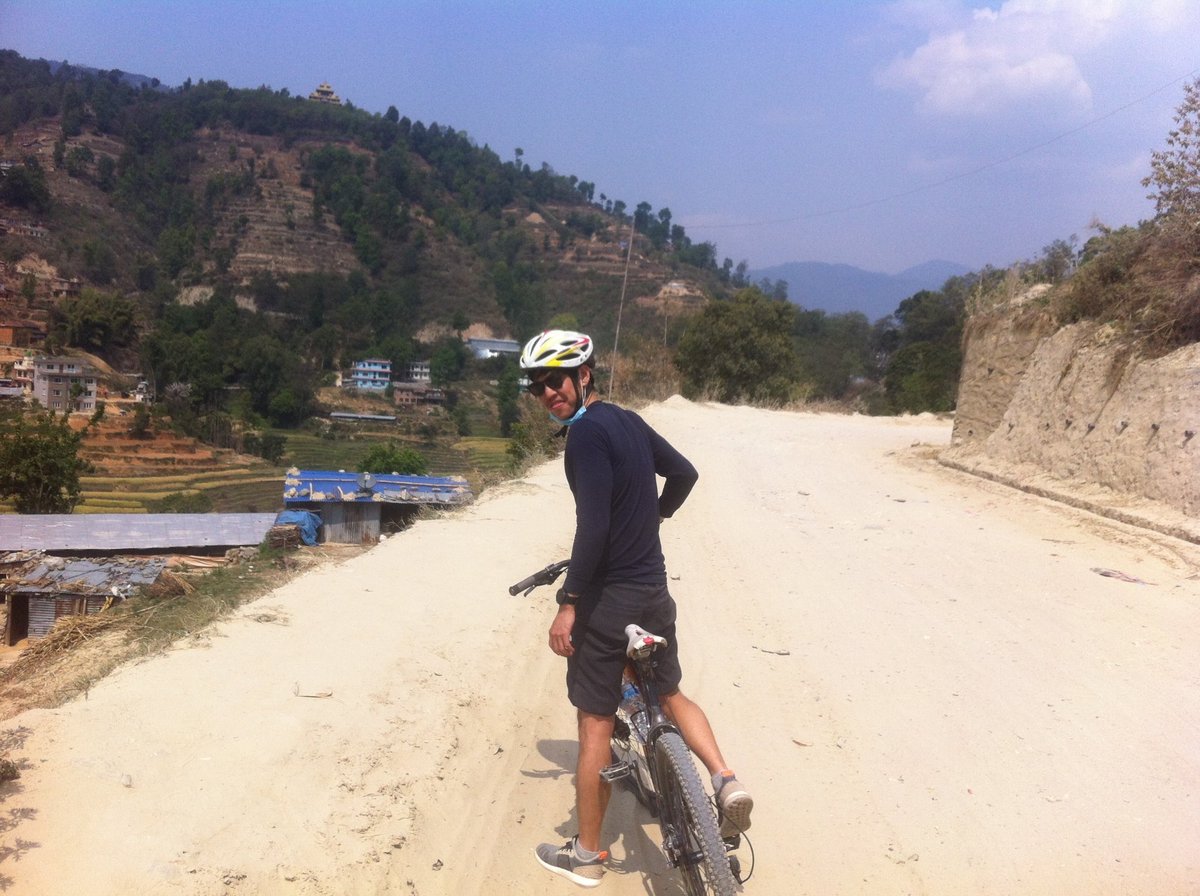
{"x":81,"y":650}
{"x":1144,"y":280}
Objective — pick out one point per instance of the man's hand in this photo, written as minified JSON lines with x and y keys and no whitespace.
{"x":560,"y":631}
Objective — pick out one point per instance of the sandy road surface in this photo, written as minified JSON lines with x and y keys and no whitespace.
{"x":918,"y":673}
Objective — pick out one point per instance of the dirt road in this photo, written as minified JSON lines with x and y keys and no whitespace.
{"x":920,"y":675}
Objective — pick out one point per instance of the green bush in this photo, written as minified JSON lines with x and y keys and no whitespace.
{"x":393,"y":458}
{"x":181,"y":502}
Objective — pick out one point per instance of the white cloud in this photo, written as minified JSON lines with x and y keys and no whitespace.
{"x":1024,"y":53}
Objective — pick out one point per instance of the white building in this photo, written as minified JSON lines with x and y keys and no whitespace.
{"x":493,"y":348}
{"x":64,"y":384}
{"x":417,"y":372}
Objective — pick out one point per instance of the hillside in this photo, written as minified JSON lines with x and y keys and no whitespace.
{"x":195,"y":235}
{"x":1069,"y":412}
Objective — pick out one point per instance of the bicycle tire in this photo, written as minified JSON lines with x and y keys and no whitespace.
{"x":692,"y":838}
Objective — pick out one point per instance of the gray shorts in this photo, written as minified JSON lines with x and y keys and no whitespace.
{"x":594,"y":671}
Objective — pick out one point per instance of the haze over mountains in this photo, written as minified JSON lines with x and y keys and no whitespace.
{"x":839,"y":288}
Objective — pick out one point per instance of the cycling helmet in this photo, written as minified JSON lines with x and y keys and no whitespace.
{"x":557,"y":348}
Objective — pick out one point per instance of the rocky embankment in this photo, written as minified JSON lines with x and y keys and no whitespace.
{"x":1077,"y":414}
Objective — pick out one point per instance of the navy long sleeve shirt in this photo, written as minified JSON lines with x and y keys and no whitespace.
{"x":612,"y":459}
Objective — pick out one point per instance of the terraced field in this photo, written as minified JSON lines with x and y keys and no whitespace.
{"x":248,"y":490}
{"x":133,"y":475}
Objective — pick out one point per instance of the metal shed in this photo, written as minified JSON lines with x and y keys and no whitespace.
{"x":42,"y":589}
{"x":355,"y":507}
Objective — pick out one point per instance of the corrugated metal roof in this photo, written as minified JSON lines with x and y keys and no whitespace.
{"x":378,"y":418}
{"x":502,"y":344}
{"x":131,"y":531}
{"x":320,"y":486}
{"x":58,"y":575}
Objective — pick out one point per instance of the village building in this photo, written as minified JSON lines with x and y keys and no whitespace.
{"x":493,"y":348}
{"x":22,"y":374}
{"x":21,"y":335}
{"x":23,"y":228}
{"x":417,"y":372}
{"x":61,"y":287}
{"x":411,"y":394}
{"x":65,"y":384}
{"x":56,"y":565}
{"x":356,"y":508}
{"x":369,"y":374}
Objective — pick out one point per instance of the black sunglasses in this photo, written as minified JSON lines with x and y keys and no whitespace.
{"x":554,"y":379}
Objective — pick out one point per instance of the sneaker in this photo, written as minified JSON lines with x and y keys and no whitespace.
{"x":565,"y":861}
{"x":733,"y":807}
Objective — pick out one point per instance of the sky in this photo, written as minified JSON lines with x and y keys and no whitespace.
{"x":881,"y":135}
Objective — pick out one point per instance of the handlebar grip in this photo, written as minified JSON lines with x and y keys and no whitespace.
{"x":541,"y":577}
{"x":525,"y":584}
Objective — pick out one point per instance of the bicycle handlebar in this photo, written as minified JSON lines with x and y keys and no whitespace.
{"x":541,"y":577}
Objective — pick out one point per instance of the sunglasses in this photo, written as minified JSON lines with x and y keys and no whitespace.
{"x":553,"y":380}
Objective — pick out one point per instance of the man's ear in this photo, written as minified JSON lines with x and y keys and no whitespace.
{"x":585,"y":376}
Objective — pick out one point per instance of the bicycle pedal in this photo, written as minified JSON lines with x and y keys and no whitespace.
{"x":616,"y":771}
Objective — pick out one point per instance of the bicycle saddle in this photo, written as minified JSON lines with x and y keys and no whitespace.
{"x":641,"y":642}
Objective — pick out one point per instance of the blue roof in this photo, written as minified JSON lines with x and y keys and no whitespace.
{"x":324,"y":486}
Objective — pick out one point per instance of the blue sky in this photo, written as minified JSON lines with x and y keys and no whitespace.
{"x":876,"y":134}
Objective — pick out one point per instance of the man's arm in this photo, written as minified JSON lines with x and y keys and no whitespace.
{"x":678,"y":472}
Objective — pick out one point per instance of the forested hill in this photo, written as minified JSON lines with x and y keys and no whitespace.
{"x":249,"y":238}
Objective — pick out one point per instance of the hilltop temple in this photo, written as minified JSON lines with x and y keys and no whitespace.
{"x":324,"y":94}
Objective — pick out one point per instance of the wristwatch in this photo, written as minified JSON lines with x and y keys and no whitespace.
{"x":565,"y":599}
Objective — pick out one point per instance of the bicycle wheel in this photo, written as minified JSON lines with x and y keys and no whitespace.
{"x":691,"y":837}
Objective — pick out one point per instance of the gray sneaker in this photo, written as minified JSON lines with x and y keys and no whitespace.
{"x":565,"y":861}
{"x":733,"y":807}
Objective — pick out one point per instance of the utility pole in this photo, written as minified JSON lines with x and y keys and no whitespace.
{"x":612,"y":383}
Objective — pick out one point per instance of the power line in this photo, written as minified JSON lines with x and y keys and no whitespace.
{"x":954,"y":177}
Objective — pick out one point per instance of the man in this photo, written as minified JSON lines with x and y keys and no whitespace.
{"x":617,"y":576}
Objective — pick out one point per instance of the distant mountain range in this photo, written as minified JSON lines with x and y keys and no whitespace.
{"x":838,"y":288}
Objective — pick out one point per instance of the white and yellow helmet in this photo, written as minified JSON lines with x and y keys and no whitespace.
{"x":556,"y":348}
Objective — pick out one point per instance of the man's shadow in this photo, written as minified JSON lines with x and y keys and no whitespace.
{"x":629,"y":828}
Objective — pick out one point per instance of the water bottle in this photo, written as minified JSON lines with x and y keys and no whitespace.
{"x":631,"y":697}
{"x":634,"y":706}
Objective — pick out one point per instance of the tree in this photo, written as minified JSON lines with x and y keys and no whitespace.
{"x":507,"y":390}
{"x":740,"y":350}
{"x":1175,"y":171}
{"x":141,"y":421}
{"x":1058,"y":260}
{"x":922,"y":372}
{"x":447,"y":362}
{"x":96,"y":320}
{"x":25,"y":185}
{"x":392,"y":458}
{"x":834,"y":350}
{"x":39,"y":461}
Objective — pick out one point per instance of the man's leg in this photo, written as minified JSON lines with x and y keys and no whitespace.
{"x":580,"y":859}
{"x":733,"y":800}
{"x":592,"y":791}
{"x":696,"y":730}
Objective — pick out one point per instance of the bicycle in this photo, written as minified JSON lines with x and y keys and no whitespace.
{"x":649,"y":752}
